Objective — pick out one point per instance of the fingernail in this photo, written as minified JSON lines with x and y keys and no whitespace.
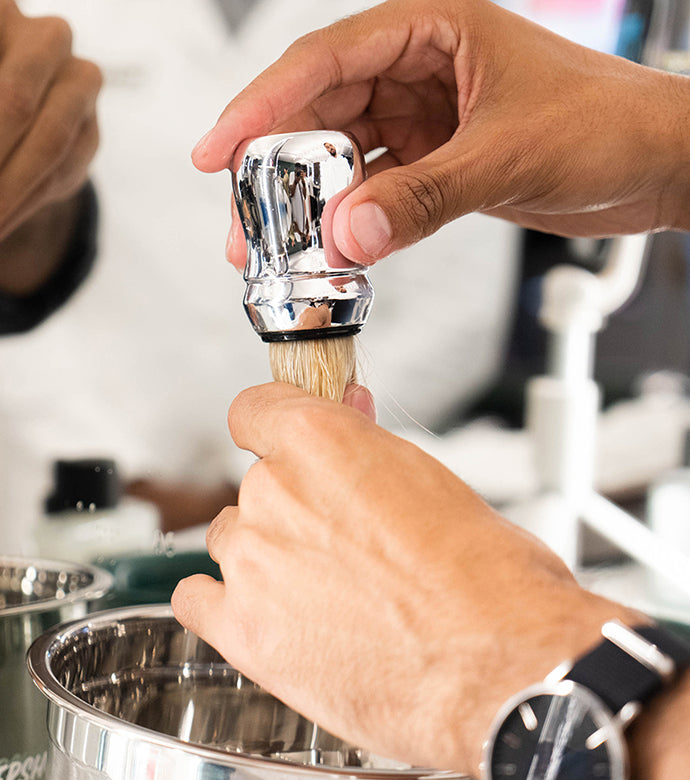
{"x":370,"y":228}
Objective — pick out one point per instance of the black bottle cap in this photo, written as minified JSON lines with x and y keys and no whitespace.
{"x":84,"y":485}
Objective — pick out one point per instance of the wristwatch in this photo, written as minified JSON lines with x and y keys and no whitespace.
{"x":571,"y":725}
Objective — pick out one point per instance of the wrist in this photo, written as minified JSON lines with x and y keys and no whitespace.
{"x":657,"y":739}
{"x":671,"y":136}
{"x":563,"y":632}
{"x":659,"y":735}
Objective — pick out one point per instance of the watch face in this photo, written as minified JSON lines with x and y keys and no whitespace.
{"x":556,"y":731}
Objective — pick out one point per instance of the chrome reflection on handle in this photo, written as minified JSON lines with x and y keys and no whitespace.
{"x":286,"y":190}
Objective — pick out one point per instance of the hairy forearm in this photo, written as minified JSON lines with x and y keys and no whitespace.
{"x":34,"y":250}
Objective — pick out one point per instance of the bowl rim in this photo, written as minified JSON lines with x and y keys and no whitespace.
{"x":101,"y":583}
{"x":38,"y":661}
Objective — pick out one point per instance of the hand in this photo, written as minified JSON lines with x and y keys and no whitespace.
{"x":478,"y":110}
{"x":370,"y":589}
{"x":48,"y":135}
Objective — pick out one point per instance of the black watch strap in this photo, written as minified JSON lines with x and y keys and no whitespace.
{"x":670,"y":644}
{"x":618,"y":678}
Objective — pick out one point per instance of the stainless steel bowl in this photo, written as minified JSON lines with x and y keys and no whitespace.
{"x":134,"y":695}
{"x":34,"y":596}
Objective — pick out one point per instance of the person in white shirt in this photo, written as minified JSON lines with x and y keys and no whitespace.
{"x":142,"y":362}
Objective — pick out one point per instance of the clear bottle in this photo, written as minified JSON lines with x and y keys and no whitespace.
{"x":88,"y":520}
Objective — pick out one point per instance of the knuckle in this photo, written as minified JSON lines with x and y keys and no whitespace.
{"x":57,"y":139}
{"x":218,"y":526}
{"x":74,"y":148}
{"x":254,"y":485}
{"x":322,"y":46}
{"x":55,"y":30}
{"x":86,"y":142}
{"x":340,"y":34}
{"x":310,"y":420}
{"x":307,"y":41}
{"x":244,"y":548}
{"x":89,"y":74}
{"x":184,"y":603}
{"x":68,"y":177}
{"x":425,"y":201}
{"x":245,"y":400}
{"x":17,"y":102}
{"x":246,"y":632}
{"x":234,"y":416}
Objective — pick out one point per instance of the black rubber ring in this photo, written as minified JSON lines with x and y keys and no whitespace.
{"x":314,"y":333}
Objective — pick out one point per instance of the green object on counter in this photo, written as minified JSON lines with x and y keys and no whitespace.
{"x":151,"y":579}
{"x":682,"y":629}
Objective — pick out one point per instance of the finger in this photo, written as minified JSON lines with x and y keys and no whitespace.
{"x":57,"y":185}
{"x":353,"y":50}
{"x":216,"y":534}
{"x":401,"y":205}
{"x":382,"y":163}
{"x":257,"y":407}
{"x":9,"y":15}
{"x":36,"y":52}
{"x":358,"y":397}
{"x":272,"y":417}
{"x":344,"y":108}
{"x":197,"y":603}
{"x":65,"y":126}
{"x":602,"y":223}
{"x":236,"y":246}
{"x":70,"y":175}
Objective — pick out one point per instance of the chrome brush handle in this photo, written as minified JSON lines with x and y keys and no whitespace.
{"x":299,"y":286}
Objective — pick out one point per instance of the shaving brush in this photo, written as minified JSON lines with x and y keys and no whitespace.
{"x":303,"y":297}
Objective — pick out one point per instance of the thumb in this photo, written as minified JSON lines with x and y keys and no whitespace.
{"x":401,"y":205}
{"x":360,"y":398}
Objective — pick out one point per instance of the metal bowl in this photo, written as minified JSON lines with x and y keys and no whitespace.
{"x":134,"y":695}
{"x":34,"y":596}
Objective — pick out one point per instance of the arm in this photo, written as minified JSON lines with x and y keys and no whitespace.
{"x":48,"y":135}
{"x":430,"y":611}
{"x":478,"y":110}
